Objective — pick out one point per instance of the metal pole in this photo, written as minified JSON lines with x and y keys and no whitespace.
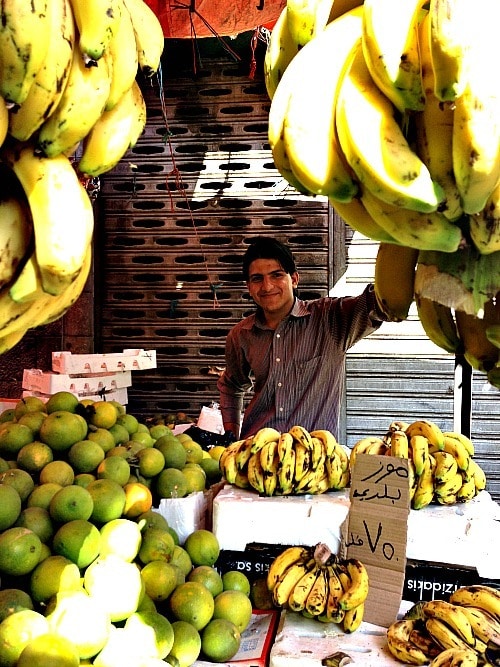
{"x":462,"y":398}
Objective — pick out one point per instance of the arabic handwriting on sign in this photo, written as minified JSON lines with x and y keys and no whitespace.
{"x":385,"y":494}
{"x":386,"y":470}
{"x":387,"y":548}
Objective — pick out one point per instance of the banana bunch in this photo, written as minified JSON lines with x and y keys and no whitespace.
{"x":401,"y":132}
{"x":287,"y":463}
{"x":317,"y":584}
{"x":441,"y":466}
{"x":461,"y":631}
{"x":70,"y":108}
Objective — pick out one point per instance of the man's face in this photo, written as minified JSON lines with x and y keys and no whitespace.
{"x":271,"y":287}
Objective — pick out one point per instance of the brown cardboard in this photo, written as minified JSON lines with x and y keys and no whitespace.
{"x":377,"y":531}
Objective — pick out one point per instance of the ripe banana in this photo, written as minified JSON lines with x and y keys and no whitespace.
{"x":4,"y":120}
{"x":309,"y":134}
{"x":124,"y":59}
{"x":330,"y":444}
{"x":271,"y":479}
{"x":255,"y":473}
{"x":429,"y":430}
{"x":457,"y":449}
{"x":281,"y":49}
{"x":282,"y":562}
{"x":302,"y":461}
{"x":285,"y":585}
{"x":307,"y":19}
{"x":424,"y":642}
{"x":81,"y":104}
{"x":465,"y":440}
{"x":399,"y":644}
{"x":268,"y":455}
{"x":484,"y":625}
{"x":360,"y":447}
{"x":302,"y":435}
{"x":455,"y":657}
{"x":375,"y":146}
{"x":334,"y":472}
{"x":446,"y":466}
{"x":358,"y":590}
{"x":394,"y":279}
{"x":16,"y":232}
{"x":478,"y":595}
{"x":52,"y":189}
{"x":244,"y":453}
{"x":478,"y":475}
{"x":444,"y":635}
{"x":286,"y":471}
{"x":298,"y":596}
{"x":399,"y":445}
{"x":263,"y":436}
{"x":434,"y":130}
{"x":114,"y":132}
{"x":415,"y":229}
{"x":24,"y":44}
{"x":50,"y":80}
{"x":318,"y":452}
{"x":479,"y":351}
{"x":419,"y":448}
{"x":356,"y":216}
{"x":424,"y":490}
{"x":334,"y":593}
{"x":227,"y":461}
{"x":438,"y":322}
{"x":392,"y":56}
{"x":285,"y":445}
{"x":449,"y":42}
{"x":453,"y":616}
{"x":353,"y":618}
{"x":149,"y":37}
{"x":316,"y":600}
{"x":96,"y":21}
{"x":484,"y":227}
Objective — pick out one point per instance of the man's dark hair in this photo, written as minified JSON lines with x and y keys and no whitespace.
{"x":262,"y":247}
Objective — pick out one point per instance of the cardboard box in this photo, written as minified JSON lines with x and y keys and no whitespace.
{"x":42,"y":382}
{"x":120,"y":395}
{"x":256,"y":642}
{"x":128,"y":360}
{"x":254,"y":562}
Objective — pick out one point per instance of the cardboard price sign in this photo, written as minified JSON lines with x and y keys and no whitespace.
{"x":377,"y":531}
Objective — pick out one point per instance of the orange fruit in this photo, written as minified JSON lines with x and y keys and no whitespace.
{"x":116,"y":468}
{"x":234,"y":580}
{"x":192,"y":602}
{"x":121,"y":537}
{"x":233,"y":606}
{"x":20,"y":550}
{"x":138,"y":499}
{"x":151,"y":461}
{"x":119,"y":433}
{"x":220,"y":640}
{"x":79,"y":541}
{"x":13,"y":600}
{"x":33,"y":420}
{"x":13,"y":436}
{"x":194,"y":451}
{"x":55,"y":574}
{"x":211,"y":469}
{"x":29,"y":404}
{"x":195,"y":477}
{"x":62,"y":400}
{"x":119,"y":407}
{"x":173,"y":452}
{"x":10,"y":506}
{"x":130,"y":422}
{"x":38,"y":520}
{"x":103,"y":437}
{"x":152,"y":632}
{"x":84,"y":479}
{"x":187,"y":644}
{"x":143,"y":438}
{"x":34,"y":456}
{"x":21,"y":480}
{"x":85,"y":455}
{"x":160,"y":579}
{"x":202,"y":546}
{"x":109,"y":500}
{"x":182,"y":559}
{"x":152,"y":518}
{"x":116,"y":584}
{"x":49,"y":650}
{"x":208,"y":576}
{"x":18,"y":630}
{"x":157,"y":544}
{"x":58,"y":472}
{"x":171,"y":483}
{"x":157,"y":430}
{"x":102,"y":414}
{"x":60,"y":430}
{"x":42,"y":495}
{"x":216,"y":451}
{"x":71,"y":502}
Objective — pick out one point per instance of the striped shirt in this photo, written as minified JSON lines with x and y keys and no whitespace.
{"x":296,"y":371}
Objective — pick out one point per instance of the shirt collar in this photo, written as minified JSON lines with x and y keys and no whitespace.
{"x":299,"y":309}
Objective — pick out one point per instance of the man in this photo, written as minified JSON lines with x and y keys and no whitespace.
{"x":290,"y":352}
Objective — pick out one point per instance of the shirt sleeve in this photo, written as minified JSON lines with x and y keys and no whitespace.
{"x":356,"y":317}
{"x":233,"y":383}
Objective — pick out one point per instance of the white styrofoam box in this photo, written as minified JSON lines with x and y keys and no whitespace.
{"x":7,"y":404}
{"x":303,"y":642}
{"x":465,"y":534}
{"x":241,"y":517}
{"x":184,"y":515}
{"x":128,"y":360}
{"x":120,"y":395}
{"x":49,"y":383}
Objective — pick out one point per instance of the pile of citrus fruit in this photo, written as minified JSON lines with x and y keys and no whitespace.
{"x":90,"y":573}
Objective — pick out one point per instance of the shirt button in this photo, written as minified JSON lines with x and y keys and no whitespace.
{"x":278,"y":359}
{"x":278,"y":335}
{"x":281,"y":409}
{"x":279,"y":384}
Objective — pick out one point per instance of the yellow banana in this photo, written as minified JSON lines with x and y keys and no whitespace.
{"x":327,"y":438}
{"x":479,"y":351}
{"x":446,"y":466}
{"x":80,"y":106}
{"x":123,"y":55}
{"x":484,"y":625}
{"x":387,"y":166}
{"x":113,"y":133}
{"x":484,"y":227}
{"x":458,"y":450}
{"x":394,"y":279}
{"x":455,"y":657}
{"x":453,"y":616}
{"x":399,"y":644}
{"x":16,"y":232}
{"x":281,"y":49}
{"x":478,"y":595}
{"x":399,"y":445}
{"x":377,"y":448}
{"x":392,"y":56}
{"x":434,"y":130}
{"x":255,"y":473}
{"x":241,"y":480}
{"x":298,"y":596}
{"x":419,"y":448}
{"x":268,"y":455}
{"x":50,"y":79}
{"x":283,"y":560}
{"x":424,"y":231}
{"x":356,"y":216}
{"x":398,"y":425}
{"x":353,"y":618}
{"x":309,"y":482}
{"x":334,"y":472}
{"x":263,"y":436}
{"x":307,"y":19}
{"x":360,"y":447}
{"x":309,"y":134}
{"x":96,"y":21}
{"x":438,"y":322}
{"x":478,"y":475}
{"x":11,"y":340}
{"x":285,"y":445}
{"x":149,"y":37}
{"x":227,"y":462}
{"x":244,"y":453}
{"x":428,"y":429}
{"x":449,"y":42}
{"x":286,"y":472}
{"x":24,"y":44}
{"x":27,"y":285}
{"x":424,"y":642}
{"x":52,"y":189}
{"x":302,"y":435}
{"x":424,"y":490}
{"x":318,"y":452}
{"x":358,"y":590}
{"x":285,"y":585}
{"x":302,"y":461}
{"x":334,"y":593}
{"x":444,"y":635}
{"x":4,"y":120}
{"x":316,"y":600}
{"x":467,"y":490}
